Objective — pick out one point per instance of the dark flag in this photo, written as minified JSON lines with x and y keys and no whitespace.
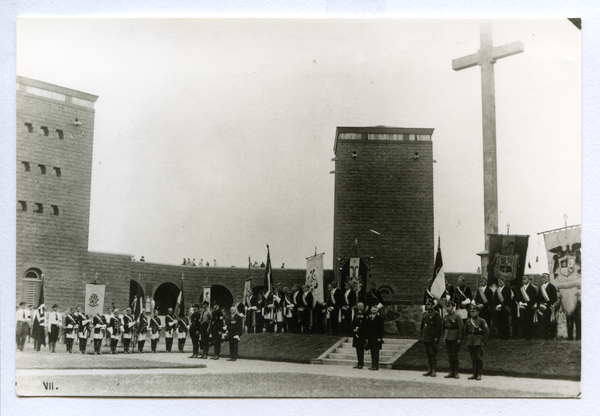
{"x":438,"y":287}
{"x":138,"y":302}
{"x":355,"y":270}
{"x":180,"y":305}
{"x":268,"y":285}
{"x":507,"y":258}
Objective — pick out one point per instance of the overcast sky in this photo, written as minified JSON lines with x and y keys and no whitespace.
{"x":214,"y":137}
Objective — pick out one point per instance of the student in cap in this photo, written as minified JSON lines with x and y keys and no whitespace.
{"x":477,"y":334}
{"x":54,"y":324}
{"x":453,"y":329}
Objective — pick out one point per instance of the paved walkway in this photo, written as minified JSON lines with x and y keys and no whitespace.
{"x":31,"y":382}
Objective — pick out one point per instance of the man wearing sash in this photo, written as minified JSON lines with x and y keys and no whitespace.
{"x":195,"y":319}
{"x":205,"y":316}
{"x":269,"y":312}
{"x":431,"y":332}
{"x":453,"y":330}
{"x":546,"y":300}
{"x":38,"y":331}
{"x":54,"y":323}
{"x":142,"y":330}
{"x":306,"y":303}
{"x":70,"y":330}
{"x":296,"y":295}
{"x":83,"y":330}
{"x":170,"y":324}
{"x":155,"y":327}
{"x":241,"y":308}
{"x":288,"y":309}
{"x":483,"y":299}
{"x":234,"y":332}
{"x":477,"y":334}
{"x":114,"y":328}
{"x":349,"y":301}
{"x":501,"y":303}
{"x":278,"y":296}
{"x":217,"y":324}
{"x":128,"y":324}
{"x":99,"y":326}
{"x":526,"y":302}
{"x":22,"y":326}
{"x":462,"y":298}
{"x":182,"y":330}
{"x":334,"y":304}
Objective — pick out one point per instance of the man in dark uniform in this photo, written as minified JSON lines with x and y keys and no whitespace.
{"x":501,"y":303}
{"x":431,"y":332}
{"x":296,"y":296}
{"x":195,"y":320}
{"x":527,"y":301}
{"x":155,"y":327}
{"x":83,"y":331}
{"x":334,"y":303}
{"x":234,"y":331}
{"x":453,"y":330}
{"x":70,"y":330}
{"x":477,"y":334}
{"x":260,"y":318}
{"x":547,"y":298}
{"x":483,"y":299}
{"x":170,"y":324}
{"x":182,"y":331}
{"x":115,"y":328}
{"x":449,"y":292}
{"x":360,"y":334}
{"x":217,"y":323}
{"x":374,"y":298}
{"x":305,"y":308}
{"x":205,"y":315}
{"x":142,"y":330}
{"x":99,"y":326}
{"x":349,"y":301}
{"x":128,"y":323}
{"x":54,"y":324}
{"x":374,"y":337}
{"x":462,"y":298}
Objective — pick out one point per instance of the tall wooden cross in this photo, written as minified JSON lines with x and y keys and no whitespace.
{"x":486,"y":57}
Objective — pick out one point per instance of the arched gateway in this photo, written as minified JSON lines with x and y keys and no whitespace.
{"x":165,"y":297}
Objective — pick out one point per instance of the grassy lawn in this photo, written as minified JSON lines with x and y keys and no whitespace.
{"x":515,"y":358}
{"x":292,"y":348}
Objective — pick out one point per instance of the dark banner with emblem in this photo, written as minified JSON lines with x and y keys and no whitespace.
{"x":507,"y":258}
{"x":355,"y":270}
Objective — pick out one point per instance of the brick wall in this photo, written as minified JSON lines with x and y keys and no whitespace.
{"x":385,"y":189}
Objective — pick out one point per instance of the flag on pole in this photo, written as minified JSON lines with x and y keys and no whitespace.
{"x":268,"y":285}
{"x":314,"y":277}
{"x":247,"y":292}
{"x":38,"y":332}
{"x":206,"y":295}
{"x":94,"y":299}
{"x":138,"y":302}
{"x":180,"y":306}
{"x":438,"y":287}
{"x":41,"y":300}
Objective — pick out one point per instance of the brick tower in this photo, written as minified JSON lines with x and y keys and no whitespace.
{"x":383,"y":207}
{"x":55,"y":129}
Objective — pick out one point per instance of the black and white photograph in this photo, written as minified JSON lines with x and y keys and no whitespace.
{"x":297,"y":207}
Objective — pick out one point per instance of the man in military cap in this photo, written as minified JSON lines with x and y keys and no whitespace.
{"x":182,"y":330}
{"x":431,"y":332}
{"x":99,"y":325}
{"x":170,"y":324}
{"x":128,"y":323}
{"x":142,"y":330}
{"x":205,"y":317}
{"x":70,"y":330}
{"x":115,"y":328}
{"x":477,"y":334}
{"x":217,"y":322}
{"x":453,"y":334}
{"x":195,"y":319}
{"x":155,"y":327}
{"x":54,"y":324}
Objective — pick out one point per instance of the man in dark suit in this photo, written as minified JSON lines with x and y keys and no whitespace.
{"x":360,"y":334}
{"x":305,"y":308}
{"x":217,"y":323}
{"x":195,"y":321}
{"x":526,"y":302}
{"x":234,"y":332}
{"x":546,"y":300}
{"x":334,"y":303}
{"x":349,"y":301}
{"x":375,"y":337}
{"x":483,"y":299}
{"x":431,"y":332}
{"x":502,"y":303}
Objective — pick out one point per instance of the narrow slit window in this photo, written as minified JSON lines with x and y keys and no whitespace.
{"x":27,"y":166}
{"x":29,"y":127}
{"x":58,"y":172}
{"x":60,"y":133}
{"x":44,"y":129}
{"x":22,"y":206}
{"x":54,"y":209}
{"x":42,"y":169}
{"x":39,"y":208}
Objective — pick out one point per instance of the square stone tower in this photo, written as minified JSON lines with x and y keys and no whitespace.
{"x":383,"y":207}
{"x":55,"y":130}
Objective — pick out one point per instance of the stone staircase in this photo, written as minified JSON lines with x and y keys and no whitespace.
{"x":342,"y":353}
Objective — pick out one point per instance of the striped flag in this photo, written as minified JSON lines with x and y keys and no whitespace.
{"x":268,"y":285}
{"x":438,"y":287}
{"x":180,"y":305}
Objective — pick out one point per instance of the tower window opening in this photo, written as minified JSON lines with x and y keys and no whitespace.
{"x":27,"y":166}
{"x":45,"y":130}
{"x":29,"y":127}
{"x":54,"y":209}
{"x":58,"y":172}
{"x":39,"y":208}
{"x":60,"y":133}
{"x":42,"y":169}
{"x":22,"y":206}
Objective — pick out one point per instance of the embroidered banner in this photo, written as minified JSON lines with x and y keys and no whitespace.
{"x":508,"y":254}
{"x":314,"y":277}
{"x":94,"y":299}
